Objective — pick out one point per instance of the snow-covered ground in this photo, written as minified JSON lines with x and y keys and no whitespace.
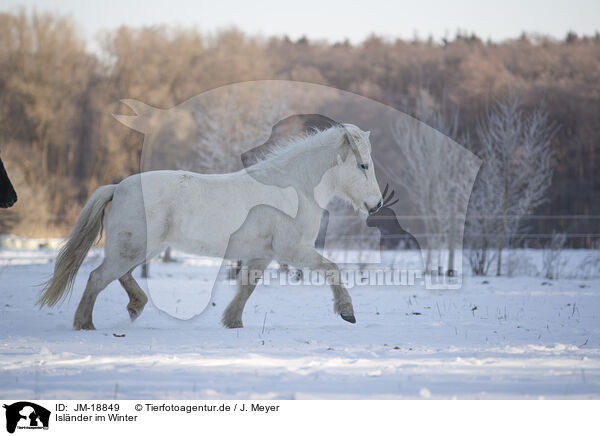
{"x":519,"y":337}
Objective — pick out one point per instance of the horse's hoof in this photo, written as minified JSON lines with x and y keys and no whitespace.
{"x":348,"y":317}
{"x":85,"y":326}
{"x":133,"y":313}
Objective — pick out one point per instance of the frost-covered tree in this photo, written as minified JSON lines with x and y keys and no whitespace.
{"x":433,"y":165}
{"x":481,"y":234}
{"x":233,"y":125}
{"x":553,"y":261}
{"x":517,"y":173}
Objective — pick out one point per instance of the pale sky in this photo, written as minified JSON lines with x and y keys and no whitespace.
{"x":334,"y":20}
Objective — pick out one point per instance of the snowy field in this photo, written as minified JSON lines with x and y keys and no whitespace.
{"x":508,"y":337}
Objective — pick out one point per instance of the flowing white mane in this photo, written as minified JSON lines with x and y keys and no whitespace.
{"x":293,"y":148}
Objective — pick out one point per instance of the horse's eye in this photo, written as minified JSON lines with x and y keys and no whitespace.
{"x":364,"y":166}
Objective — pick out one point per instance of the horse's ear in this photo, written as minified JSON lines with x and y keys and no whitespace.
{"x":134,"y":122}
{"x":368,"y":134}
{"x":344,"y":148}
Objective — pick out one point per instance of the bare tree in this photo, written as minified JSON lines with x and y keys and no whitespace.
{"x":232,"y":126}
{"x":516,"y":151}
{"x":432,"y":176}
{"x":590,"y":266}
{"x":553,"y":261}
{"x":482,"y":230}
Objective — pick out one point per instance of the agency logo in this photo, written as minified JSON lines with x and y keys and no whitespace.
{"x":26,"y":415}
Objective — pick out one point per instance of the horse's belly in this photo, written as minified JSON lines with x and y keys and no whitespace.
{"x":205,"y":235}
{"x":199,"y":247}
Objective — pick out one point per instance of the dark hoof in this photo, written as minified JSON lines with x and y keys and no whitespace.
{"x":348,"y":317}
{"x":133,"y":314}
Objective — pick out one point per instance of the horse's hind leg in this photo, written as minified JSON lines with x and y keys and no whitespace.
{"x":137,"y":297}
{"x":247,"y":281}
{"x":98,"y":280}
{"x":114,"y":266}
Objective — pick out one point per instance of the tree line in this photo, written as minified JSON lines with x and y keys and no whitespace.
{"x":59,"y":141}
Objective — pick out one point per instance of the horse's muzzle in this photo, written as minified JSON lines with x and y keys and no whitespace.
{"x":374,"y":209}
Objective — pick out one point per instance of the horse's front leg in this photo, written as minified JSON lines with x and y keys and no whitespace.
{"x":248,"y":277}
{"x":308,"y":257}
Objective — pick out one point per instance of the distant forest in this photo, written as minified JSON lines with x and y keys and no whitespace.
{"x":60,"y":142}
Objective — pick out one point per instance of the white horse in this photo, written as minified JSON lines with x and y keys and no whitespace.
{"x":270,"y":210}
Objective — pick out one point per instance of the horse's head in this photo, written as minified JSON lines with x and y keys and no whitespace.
{"x":385,"y":218}
{"x":355,"y":174}
{"x":8,"y":196}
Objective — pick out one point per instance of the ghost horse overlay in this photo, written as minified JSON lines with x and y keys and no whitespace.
{"x":274,"y":212}
{"x":8,"y":196}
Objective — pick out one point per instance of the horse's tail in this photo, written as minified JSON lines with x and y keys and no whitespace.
{"x":70,"y":257}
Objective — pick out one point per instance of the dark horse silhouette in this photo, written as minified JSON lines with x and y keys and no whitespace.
{"x":392,"y":233}
{"x":8,"y":196}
